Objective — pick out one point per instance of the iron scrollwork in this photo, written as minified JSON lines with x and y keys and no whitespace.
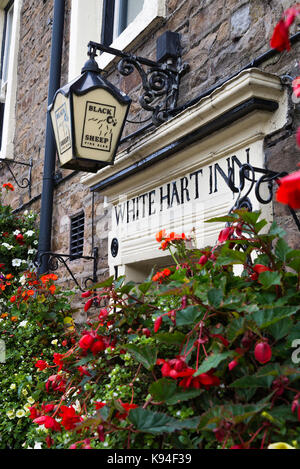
{"x":247,"y":172}
{"x":55,"y":259}
{"x":160,"y":85}
{"x":160,"y":81}
{"x":26,"y":181}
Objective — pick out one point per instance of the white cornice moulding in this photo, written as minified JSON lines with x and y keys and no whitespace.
{"x":251,"y":83}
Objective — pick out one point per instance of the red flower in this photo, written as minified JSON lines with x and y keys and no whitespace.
{"x":83,"y":371}
{"x":41,"y":365}
{"x":225,"y":234}
{"x":13,"y":299}
{"x":57,"y":359}
{"x":157,"y":323}
{"x":127,"y":408}
{"x":97,"y":347}
{"x":232,"y":364}
{"x":20,"y":239}
{"x":69,"y":417}
{"x":88,"y":304}
{"x":86,"y":294}
{"x":8,"y":186}
{"x":86,"y":341}
{"x":160,"y":236}
{"x":263,"y":352}
{"x":49,"y":423}
{"x":296,"y":87}
{"x":34,"y":413}
{"x":99,"y":405}
{"x":280,"y":39}
{"x":203,"y":259}
{"x":289,"y":190}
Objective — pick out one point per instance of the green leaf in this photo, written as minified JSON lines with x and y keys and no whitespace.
{"x":212,"y":362}
{"x":276,"y":230}
{"x":154,"y":422}
{"x":253,"y":382}
{"x":175,"y":338}
{"x":267,"y":317}
{"x":215,"y":297}
{"x":224,"y":219}
{"x":268,"y":279}
{"x":249,"y":217}
{"x":106,"y":283}
{"x":231,"y":256}
{"x":280,"y":329}
{"x":236,"y":413}
{"x":144,"y":354}
{"x":188,"y":316}
{"x":144,"y":287}
{"x":166,"y":390}
{"x":235,"y":328}
{"x":295,"y":264}
{"x":282,"y":249}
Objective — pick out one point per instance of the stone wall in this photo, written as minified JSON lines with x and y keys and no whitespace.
{"x":219,"y":37}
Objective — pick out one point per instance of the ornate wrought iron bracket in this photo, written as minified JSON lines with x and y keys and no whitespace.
{"x":55,"y":259}
{"x":160,"y":80}
{"x":247,"y":172}
{"x":26,"y":181}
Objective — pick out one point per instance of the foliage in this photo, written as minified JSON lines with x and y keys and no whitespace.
{"x":198,"y":357}
{"x":32,"y":322}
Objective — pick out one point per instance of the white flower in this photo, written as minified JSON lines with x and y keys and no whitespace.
{"x":12,"y":386}
{"x":31,"y":251}
{"x":24,"y":392}
{"x":54,"y":342}
{"x":37,"y":445}
{"x":20,"y":413}
{"x":26,"y":213}
{"x":29,"y":233}
{"x":30,"y":400}
{"x":23,"y":323}
{"x":10,"y":414}
{"x":35,"y":242}
{"x":16,"y":262}
{"x":7,"y":246}
{"x":24,"y":262}
{"x":16,"y":233}
{"x":22,"y":280}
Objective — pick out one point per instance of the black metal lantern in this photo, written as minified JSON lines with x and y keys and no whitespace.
{"x":88,"y":116}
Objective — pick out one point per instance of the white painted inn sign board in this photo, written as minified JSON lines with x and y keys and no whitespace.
{"x":183,"y":190}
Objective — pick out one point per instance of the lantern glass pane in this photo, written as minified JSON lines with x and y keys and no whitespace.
{"x":98,"y":118}
{"x":61,"y":122}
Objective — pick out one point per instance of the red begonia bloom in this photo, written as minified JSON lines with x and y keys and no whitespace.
{"x":34,"y":413}
{"x":41,"y":365}
{"x":88,"y":304}
{"x":57,"y":359}
{"x":86,"y":294}
{"x":157,"y":323}
{"x":49,"y":423}
{"x":296,"y":87}
{"x":97,"y":347}
{"x":203,"y":260}
{"x":280,"y":39}
{"x":99,"y":405}
{"x":127,"y":408}
{"x":232,"y":365}
{"x":225,"y":234}
{"x":263,"y":352}
{"x":289,"y":190}
{"x":86,"y":341}
{"x":69,"y":418}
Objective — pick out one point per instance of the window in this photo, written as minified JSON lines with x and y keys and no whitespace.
{"x":117,"y":15}
{"x":6,"y":43}
{"x":77,"y":236}
{"x":119,"y":23}
{"x":10,"y":14}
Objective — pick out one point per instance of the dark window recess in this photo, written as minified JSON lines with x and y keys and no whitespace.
{"x":108,"y":22}
{"x":77,"y":236}
{"x":2,"y":105}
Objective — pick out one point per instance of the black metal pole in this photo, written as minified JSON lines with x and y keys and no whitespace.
{"x":50,"y":149}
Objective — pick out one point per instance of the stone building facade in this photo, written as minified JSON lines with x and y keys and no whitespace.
{"x":226,"y":44}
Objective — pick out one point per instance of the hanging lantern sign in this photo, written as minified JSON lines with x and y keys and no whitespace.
{"x":88,"y":117}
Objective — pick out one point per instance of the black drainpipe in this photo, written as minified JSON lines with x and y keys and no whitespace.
{"x":50,"y":148}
